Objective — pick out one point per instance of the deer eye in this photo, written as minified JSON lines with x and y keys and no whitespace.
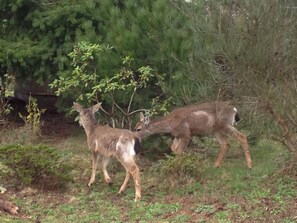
{"x":137,"y":129}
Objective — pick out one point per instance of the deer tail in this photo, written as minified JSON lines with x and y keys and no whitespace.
{"x":137,"y":145}
{"x":237,"y":118}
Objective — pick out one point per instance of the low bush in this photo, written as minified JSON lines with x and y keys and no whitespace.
{"x":41,"y":166}
{"x":180,"y":169}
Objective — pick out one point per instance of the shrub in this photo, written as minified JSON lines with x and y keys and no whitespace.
{"x":32,"y":120}
{"x":40,"y":166}
{"x":180,"y":169}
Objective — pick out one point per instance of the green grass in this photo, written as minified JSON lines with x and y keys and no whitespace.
{"x":231,"y":193}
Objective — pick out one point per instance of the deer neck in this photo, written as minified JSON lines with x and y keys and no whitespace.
{"x":159,"y":126}
{"x":89,"y":127}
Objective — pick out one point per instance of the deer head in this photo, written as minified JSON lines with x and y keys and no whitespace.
{"x":86,"y":116}
{"x":143,"y":123}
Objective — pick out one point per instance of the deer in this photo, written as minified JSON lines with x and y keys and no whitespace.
{"x":215,"y":119}
{"x":106,"y":142}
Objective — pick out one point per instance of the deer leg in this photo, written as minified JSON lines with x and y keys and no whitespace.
{"x":223,"y":148}
{"x":244,"y":144}
{"x":132,"y":168}
{"x":105,"y":162}
{"x":125,"y":183}
{"x":136,"y":177}
{"x":180,"y":144}
{"x":183,"y":143}
{"x":95,"y":158}
{"x":175,"y":143}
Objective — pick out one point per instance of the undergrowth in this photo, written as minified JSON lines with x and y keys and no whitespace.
{"x":39,"y":165}
{"x":179,"y":170}
{"x":184,"y":188}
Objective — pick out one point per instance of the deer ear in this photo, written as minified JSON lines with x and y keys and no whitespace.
{"x":96,"y":107}
{"x":141,"y":115}
{"x":77,"y":107}
{"x":147,"y":120}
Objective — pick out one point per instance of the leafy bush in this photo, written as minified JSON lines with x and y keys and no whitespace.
{"x":40,"y":165}
{"x":88,"y":82}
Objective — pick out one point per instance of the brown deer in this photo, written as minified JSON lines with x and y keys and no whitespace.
{"x":207,"y":119}
{"x":106,"y":142}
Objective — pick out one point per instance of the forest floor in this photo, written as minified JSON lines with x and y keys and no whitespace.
{"x":171,"y":191}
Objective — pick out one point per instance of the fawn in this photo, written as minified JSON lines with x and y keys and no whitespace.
{"x":207,"y":119}
{"x":106,"y":142}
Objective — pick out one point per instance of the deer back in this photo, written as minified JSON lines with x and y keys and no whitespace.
{"x":110,"y":141}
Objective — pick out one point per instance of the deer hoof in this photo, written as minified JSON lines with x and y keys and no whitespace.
{"x":90,"y":183}
{"x":109,"y":181}
{"x":217,"y":165}
{"x":137,"y":198}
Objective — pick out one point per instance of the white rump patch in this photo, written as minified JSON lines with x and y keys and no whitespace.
{"x":127,"y":148}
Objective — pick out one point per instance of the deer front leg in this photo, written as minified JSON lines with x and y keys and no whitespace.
{"x":223,"y":148}
{"x":105,"y":162}
{"x":180,"y":144}
{"x":174,"y":145}
{"x":183,"y":144}
{"x":95,"y":158}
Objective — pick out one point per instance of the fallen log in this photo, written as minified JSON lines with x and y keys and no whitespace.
{"x":9,"y":207}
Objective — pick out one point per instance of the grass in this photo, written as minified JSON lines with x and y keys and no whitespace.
{"x":231,"y":193}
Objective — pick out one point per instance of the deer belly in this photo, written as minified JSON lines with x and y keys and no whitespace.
{"x":201,"y":131}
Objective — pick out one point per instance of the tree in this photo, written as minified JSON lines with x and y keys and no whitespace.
{"x":38,"y":35}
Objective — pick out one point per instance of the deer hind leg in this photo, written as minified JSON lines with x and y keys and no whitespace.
{"x":244,"y":144}
{"x":223,"y":148}
{"x":105,"y":162}
{"x":125,"y":183}
{"x":131,"y":168}
{"x":95,"y":158}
